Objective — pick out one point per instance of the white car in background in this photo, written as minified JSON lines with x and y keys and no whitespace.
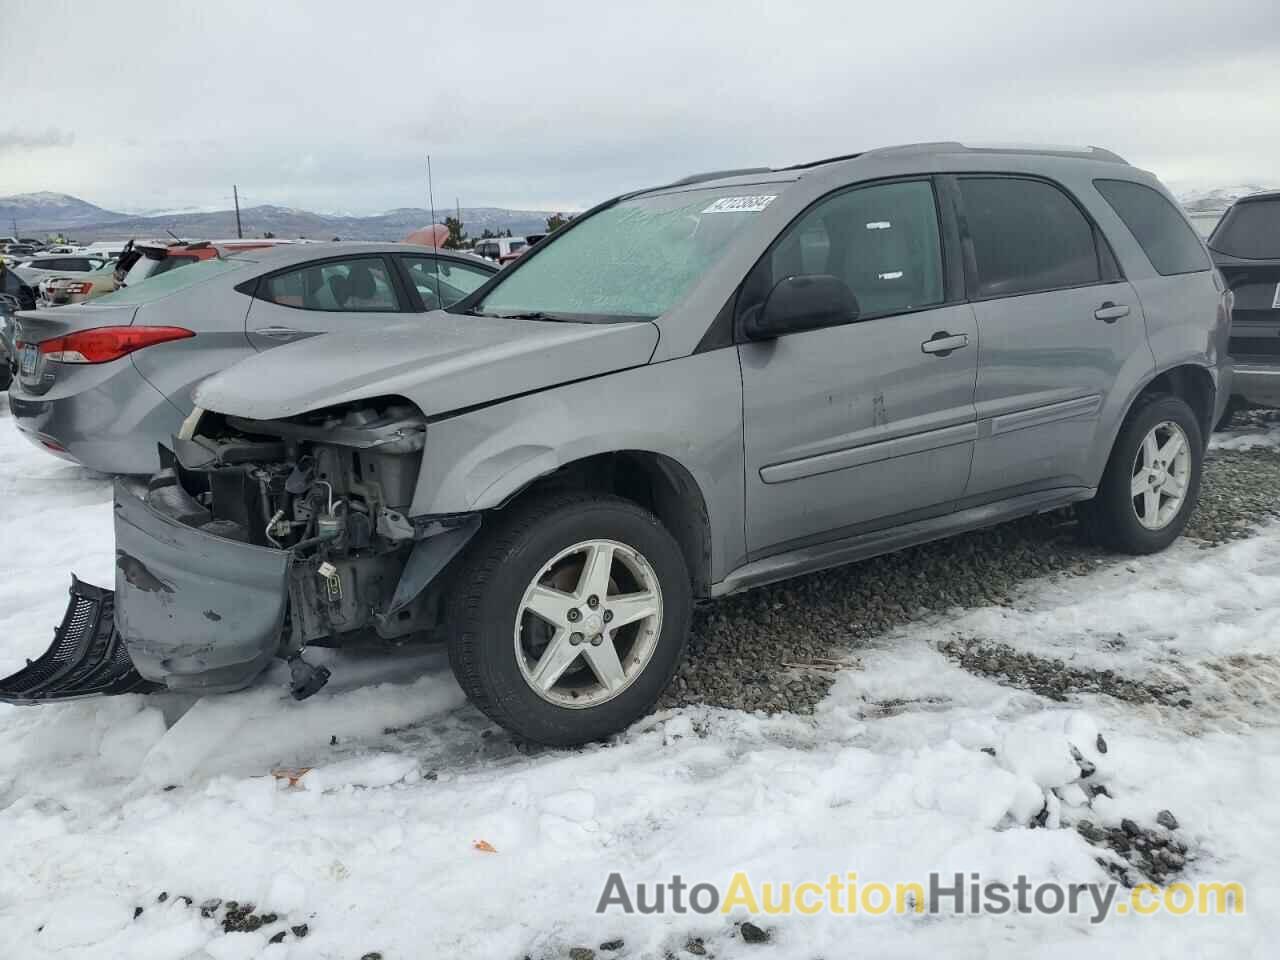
{"x":32,"y":270}
{"x":495,"y":248}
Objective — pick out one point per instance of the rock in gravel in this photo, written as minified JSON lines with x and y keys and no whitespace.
{"x":1090,"y":831}
{"x":753,"y":934}
{"x":279,"y":937}
{"x":582,"y":953}
{"x":300,"y":931}
{"x":1131,"y":828}
{"x":1101,"y":744}
{"x":695,"y":947}
{"x":1167,"y":820}
{"x":611,"y":945}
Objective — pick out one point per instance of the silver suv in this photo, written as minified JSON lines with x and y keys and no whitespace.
{"x":688,"y":391}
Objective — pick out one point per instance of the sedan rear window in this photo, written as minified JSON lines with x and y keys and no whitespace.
{"x":1250,"y":230}
{"x":156,"y":288}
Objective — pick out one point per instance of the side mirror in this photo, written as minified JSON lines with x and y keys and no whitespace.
{"x":802,"y":303}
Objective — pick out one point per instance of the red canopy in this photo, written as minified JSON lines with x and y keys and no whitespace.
{"x":432,"y":236}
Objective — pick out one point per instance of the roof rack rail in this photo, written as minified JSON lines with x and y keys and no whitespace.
{"x":717,"y":175}
{"x":818,"y":163}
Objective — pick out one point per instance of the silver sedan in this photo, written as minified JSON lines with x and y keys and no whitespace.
{"x":102,"y":383}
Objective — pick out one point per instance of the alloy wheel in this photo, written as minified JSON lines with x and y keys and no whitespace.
{"x":588,"y":623}
{"x":1161,"y":469}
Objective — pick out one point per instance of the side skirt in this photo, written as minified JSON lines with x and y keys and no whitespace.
{"x":851,"y":549}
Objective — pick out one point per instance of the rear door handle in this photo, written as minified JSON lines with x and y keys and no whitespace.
{"x":281,"y":333}
{"x":1110,"y":312}
{"x":942,"y":343}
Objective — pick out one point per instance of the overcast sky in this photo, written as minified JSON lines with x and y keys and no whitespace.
{"x":333,"y":106}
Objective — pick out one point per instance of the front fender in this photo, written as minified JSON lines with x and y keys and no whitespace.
{"x":689,"y":410}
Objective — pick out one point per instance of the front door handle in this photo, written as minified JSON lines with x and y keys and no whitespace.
{"x":1110,"y":312}
{"x":942,"y":343}
{"x":281,"y":333}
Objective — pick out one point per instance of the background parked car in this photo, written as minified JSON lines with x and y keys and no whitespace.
{"x":103,"y":383}
{"x":495,"y":248}
{"x":77,"y":286}
{"x":151,"y":258}
{"x":531,"y":240}
{"x":45,"y":266}
{"x":1246,"y":249}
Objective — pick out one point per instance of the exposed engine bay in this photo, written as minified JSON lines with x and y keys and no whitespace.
{"x":332,"y":489}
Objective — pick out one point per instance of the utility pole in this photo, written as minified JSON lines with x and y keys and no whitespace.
{"x":235,"y":191}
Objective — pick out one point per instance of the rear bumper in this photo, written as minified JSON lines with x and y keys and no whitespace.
{"x":1257,"y":383}
{"x":196,"y":612}
{"x":113,"y":425}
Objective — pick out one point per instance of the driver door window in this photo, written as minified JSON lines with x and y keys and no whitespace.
{"x":881,"y":240}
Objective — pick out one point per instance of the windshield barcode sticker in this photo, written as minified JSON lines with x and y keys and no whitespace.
{"x":1275,"y":304}
{"x":741,"y":204}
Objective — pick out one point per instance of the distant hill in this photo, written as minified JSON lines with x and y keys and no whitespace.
{"x":38,"y":214}
{"x":1217,"y":199}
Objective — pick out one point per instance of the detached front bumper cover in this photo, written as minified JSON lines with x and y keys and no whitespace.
{"x":87,"y":657}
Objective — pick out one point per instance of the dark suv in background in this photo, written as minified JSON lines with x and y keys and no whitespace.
{"x":1246,"y":249}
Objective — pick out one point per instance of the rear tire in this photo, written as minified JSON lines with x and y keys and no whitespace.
{"x":555,"y":680}
{"x":1152,"y":480}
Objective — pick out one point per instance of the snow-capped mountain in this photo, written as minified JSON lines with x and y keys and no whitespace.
{"x":40,"y":213}
{"x":1216,"y":199}
{"x":35,"y":212}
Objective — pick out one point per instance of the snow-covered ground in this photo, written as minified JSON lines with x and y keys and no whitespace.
{"x":106,"y":805}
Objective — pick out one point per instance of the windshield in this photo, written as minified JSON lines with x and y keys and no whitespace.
{"x":632,"y":260}
{"x":157,"y":287}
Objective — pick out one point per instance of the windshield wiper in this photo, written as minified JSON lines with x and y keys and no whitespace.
{"x":533,"y":315}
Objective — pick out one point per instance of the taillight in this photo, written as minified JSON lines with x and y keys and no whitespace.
{"x":107,"y":343}
{"x":76,"y":289}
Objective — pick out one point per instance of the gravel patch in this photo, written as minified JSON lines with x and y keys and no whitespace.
{"x":1053,"y":678}
{"x":773,"y":648}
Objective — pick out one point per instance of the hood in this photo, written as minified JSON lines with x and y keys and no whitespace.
{"x":442,"y":362}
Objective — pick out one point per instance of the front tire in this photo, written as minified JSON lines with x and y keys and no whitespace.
{"x":569,"y":617}
{"x":1152,"y":480}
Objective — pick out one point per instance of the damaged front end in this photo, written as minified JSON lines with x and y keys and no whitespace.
{"x":255,"y":540}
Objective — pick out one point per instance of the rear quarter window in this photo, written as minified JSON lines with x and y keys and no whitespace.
{"x":1250,"y":230}
{"x":1163,"y":233}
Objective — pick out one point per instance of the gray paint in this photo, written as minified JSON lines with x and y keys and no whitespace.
{"x":442,"y":363}
{"x":196,"y":612}
{"x":814,"y":449}
{"x":112,"y":416}
{"x":813,"y":437}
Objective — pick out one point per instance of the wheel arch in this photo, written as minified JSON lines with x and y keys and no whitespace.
{"x":1191,"y":383}
{"x":655,"y":481}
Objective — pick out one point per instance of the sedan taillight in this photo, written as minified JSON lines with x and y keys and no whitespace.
{"x":103,"y":344}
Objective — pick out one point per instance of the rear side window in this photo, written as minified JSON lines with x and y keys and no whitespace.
{"x":357,"y":285}
{"x":1162,"y":232}
{"x":443,"y":283}
{"x":1028,"y":236}
{"x":1250,"y":230}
